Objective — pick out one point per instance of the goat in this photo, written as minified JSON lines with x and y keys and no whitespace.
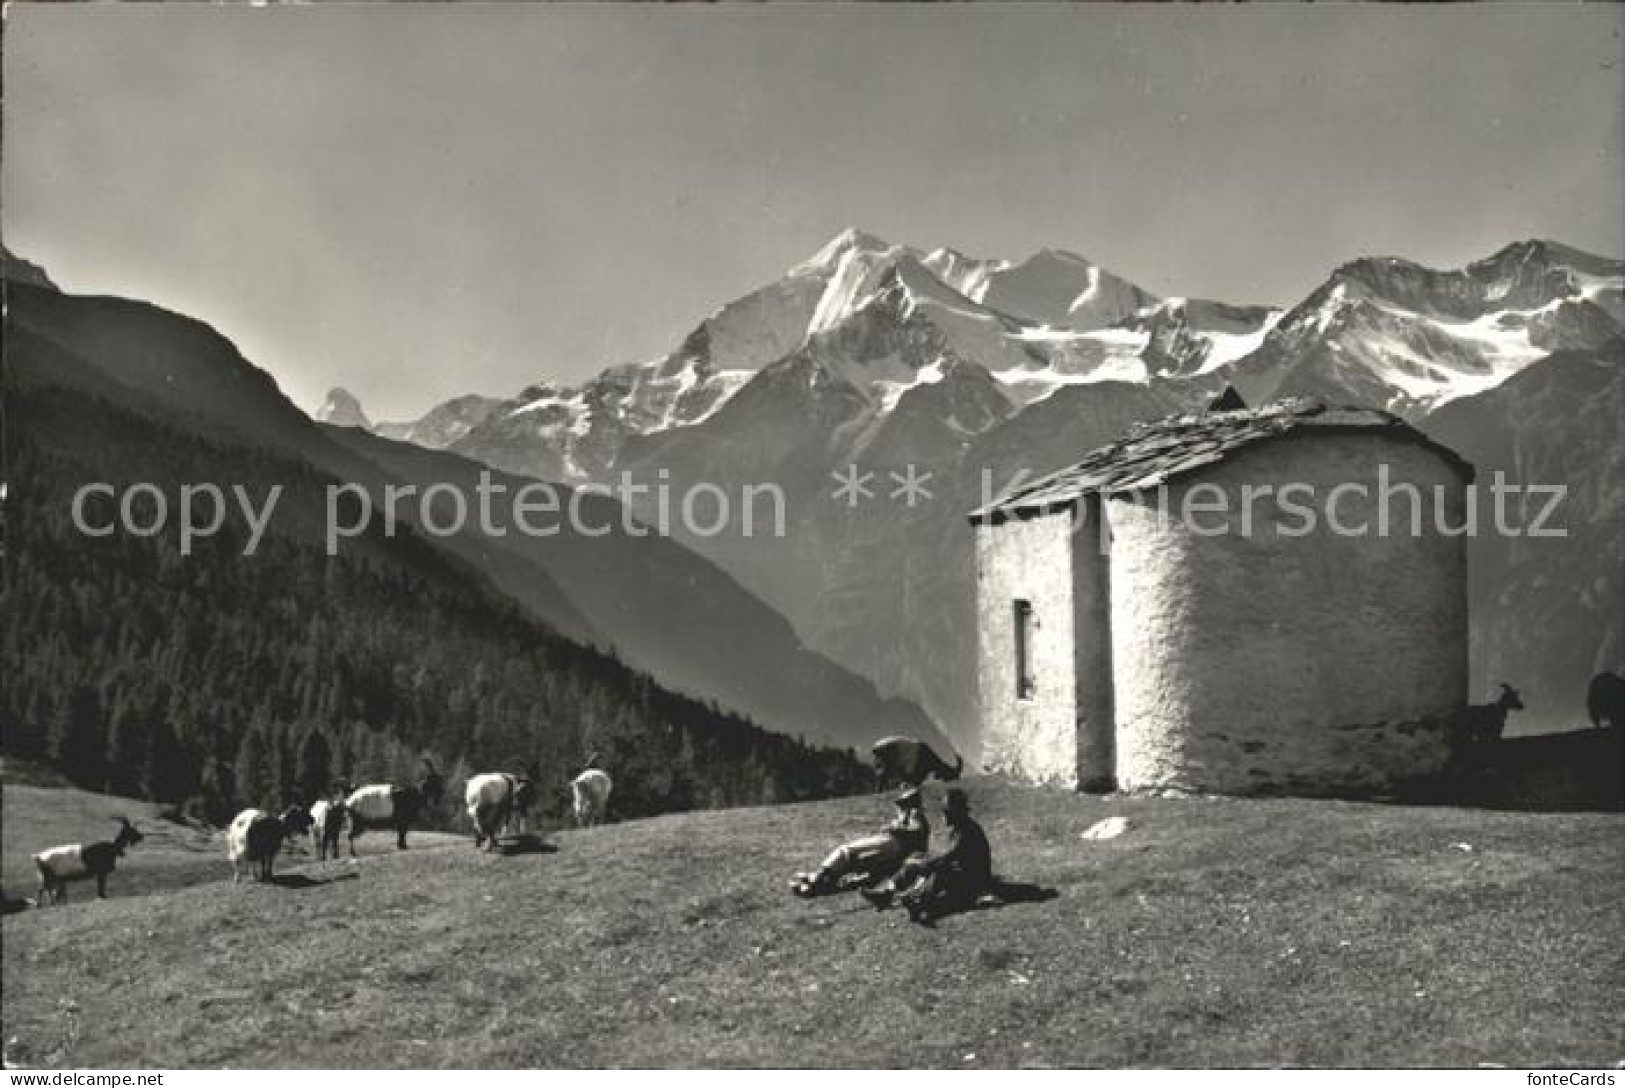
{"x":589,"y":792}
{"x":256,"y":838}
{"x":1605,"y":700}
{"x":1482,"y":724}
{"x":393,"y":806}
{"x":326,"y":825}
{"x":906,"y":761}
{"x":496,"y":801}
{"x":60,"y":864}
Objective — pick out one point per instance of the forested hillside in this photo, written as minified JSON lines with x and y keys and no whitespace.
{"x":219,"y":680}
{"x":666,"y":611}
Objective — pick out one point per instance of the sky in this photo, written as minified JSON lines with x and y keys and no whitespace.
{"x":417,"y":201}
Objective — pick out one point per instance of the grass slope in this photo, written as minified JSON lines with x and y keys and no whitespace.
{"x":171,"y":853}
{"x":40,"y":812}
{"x":1215,"y":932}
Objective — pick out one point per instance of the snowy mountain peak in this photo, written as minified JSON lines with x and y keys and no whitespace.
{"x":342,"y":409}
{"x":1395,"y":333}
{"x":849,"y":241}
{"x":1521,"y":276}
{"x":1061,"y":256}
{"x":866,"y":328}
{"x":1059,"y":288}
{"x":1548,"y":251}
{"x":967,"y":275}
{"x":866,"y":320}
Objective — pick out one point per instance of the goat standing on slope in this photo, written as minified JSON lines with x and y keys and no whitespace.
{"x":327,"y":824}
{"x":393,"y":806}
{"x":589,"y":792}
{"x":909,"y":762}
{"x":498,"y":802}
{"x":1605,"y":700}
{"x":256,"y":838}
{"x":1482,"y":724}
{"x":60,"y":864}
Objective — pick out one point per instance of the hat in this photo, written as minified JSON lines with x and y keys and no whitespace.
{"x":909,"y":798}
{"x":955,"y":801}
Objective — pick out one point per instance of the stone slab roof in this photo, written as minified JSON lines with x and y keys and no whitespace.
{"x":1154,"y":453}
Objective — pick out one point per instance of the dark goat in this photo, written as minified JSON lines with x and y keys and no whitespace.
{"x":904,"y":760}
{"x":256,"y":837}
{"x":1605,"y":700}
{"x":1483,"y":724}
{"x":61,"y":864}
{"x":524,"y":799}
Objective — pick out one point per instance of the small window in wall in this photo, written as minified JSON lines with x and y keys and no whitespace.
{"x":1025,"y":684}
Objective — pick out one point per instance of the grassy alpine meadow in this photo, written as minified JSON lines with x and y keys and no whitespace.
{"x":1214,"y":932}
{"x":40,"y":811}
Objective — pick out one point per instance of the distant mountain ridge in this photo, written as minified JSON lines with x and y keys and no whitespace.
{"x":1549,"y":613}
{"x":14,"y":269}
{"x":893,"y":317}
{"x":890,"y":318}
{"x":342,"y":409}
{"x":444,"y":424}
{"x":1394,"y":333}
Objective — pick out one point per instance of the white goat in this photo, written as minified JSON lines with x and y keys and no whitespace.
{"x":590,"y":792}
{"x":496,"y":802}
{"x":326,"y":825}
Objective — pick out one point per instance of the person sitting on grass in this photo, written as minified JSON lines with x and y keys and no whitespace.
{"x":873,"y":858}
{"x":951,"y":881}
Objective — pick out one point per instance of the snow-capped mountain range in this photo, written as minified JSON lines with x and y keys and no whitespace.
{"x":1394,"y":333}
{"x":888,"y":319}
{"x":886,"y":357}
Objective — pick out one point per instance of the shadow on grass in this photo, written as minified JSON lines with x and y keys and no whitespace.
{"x":1578,"y":771}
{"x":850,"y":883}
{"x":1008,"y":892}
{"x":299,"y":881}
{"x":525,"y":844}
{"x":1003,"y":893}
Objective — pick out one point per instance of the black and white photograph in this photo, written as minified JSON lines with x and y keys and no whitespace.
{"x":812,"y":536}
